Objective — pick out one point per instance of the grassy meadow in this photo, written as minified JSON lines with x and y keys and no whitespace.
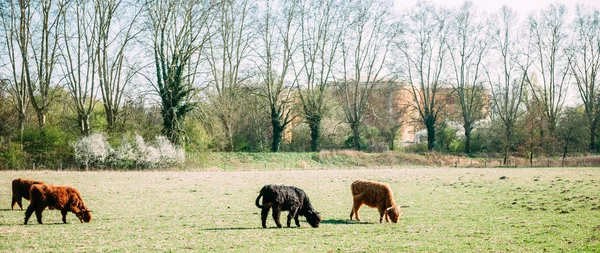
{"x":450,"y":210}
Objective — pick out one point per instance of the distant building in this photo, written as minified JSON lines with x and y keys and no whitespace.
{"x":396,"y":97}
{"x":413,"y":130}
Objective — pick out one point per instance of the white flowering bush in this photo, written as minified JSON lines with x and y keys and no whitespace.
{"x":123,"y":156}
{"x":147,"y":156}
{"x":160,"y":154}
{"x":169,"y":154}
{"x":92,"y":150}
{"x":97,"y":152}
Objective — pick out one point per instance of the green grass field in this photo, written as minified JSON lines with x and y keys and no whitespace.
{"x":450,"y":210}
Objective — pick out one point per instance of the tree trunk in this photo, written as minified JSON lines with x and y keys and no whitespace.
{"x":228,"y":134}
{"x":356,"y":136}
{"x":593,"y":126}
{"x":41,"y":118}
{"x":468,"y":139}
{"x":277,"y":135}
{"x":552,"y":136}
{"x":430,"y":136}
{"x":169,"y":125}
{"x":110,"y":118}
{"x":22,"y":126}
{"x":315,"y":134}
{"x":531,"y":159}
{"x":565,"y":150}
{"x":392,"y":138}
{"x":505,"y":154}
{"x":84,"y":124}
{"x":21,"y":121}
{"x":507,"y":141}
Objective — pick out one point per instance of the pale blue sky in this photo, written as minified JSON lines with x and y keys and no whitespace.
{"x":524,"y":7}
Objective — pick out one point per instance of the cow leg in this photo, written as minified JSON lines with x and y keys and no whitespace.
{"x":263,"y":216}
{"x":64,"y":215}
{"x":386,"y":216}
{"x":355,"y":209}
{"x":19,"y":199}
{"x":16,"y":199}
{"x":276,"y":214}
{"x":297,"y":221}
{"x":38,"y":214}
{"x":28,"y":213}
{"x":293,"y":214}
{"x":381,"y":214}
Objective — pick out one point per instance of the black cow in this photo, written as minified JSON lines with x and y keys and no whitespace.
{"x":286,"y":198}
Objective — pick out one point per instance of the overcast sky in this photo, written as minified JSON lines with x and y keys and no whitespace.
{"x":524,"y":7}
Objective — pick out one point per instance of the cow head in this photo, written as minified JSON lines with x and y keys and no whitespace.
{"x":393,"y":213}
{"x":84,"y":215}
{"x":313,"y":218}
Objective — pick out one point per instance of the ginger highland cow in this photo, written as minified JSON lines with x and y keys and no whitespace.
{"x":374,"y":194}
{"x":20,"y":189}
{"x":63,"y":198}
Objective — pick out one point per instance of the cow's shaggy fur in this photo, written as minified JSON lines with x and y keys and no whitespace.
{"x":286,"y":198}
{"x":20,"y":189}
{"x":374,"y":194}
{"x":63,"y":198}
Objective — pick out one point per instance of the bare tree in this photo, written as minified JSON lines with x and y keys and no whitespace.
{"x":12,"y":22}
{"x":388,"y":110}
{"x":322,"y":25}
{"x":80,"y":33}
{"x":549,"y":38}
{"x":570,"y":132}
{"x":584,"y":52}
{"x":364,"y":50}
{"x":38,"y":43}
{"x":179,"y":33}
{"x":279,"y":31}
{"x":116,"y":23}
{"x":507,"y":75}
{"x":424,"y":49}
{"x":9,"y":121}
{"x":532,"y":125}
{"x":467,"y":46}
{"x":228,"y":53}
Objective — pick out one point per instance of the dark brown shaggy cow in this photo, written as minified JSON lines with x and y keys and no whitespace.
{"x":286,"y":198}
{"x":374,"y":194}
{"x":63,"y":198}
{"x":20,"y":189}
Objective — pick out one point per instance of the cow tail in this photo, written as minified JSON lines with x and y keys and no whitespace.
{"x":257,"y":200}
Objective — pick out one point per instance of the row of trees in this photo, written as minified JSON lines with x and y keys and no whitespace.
{"x":210,"y":65}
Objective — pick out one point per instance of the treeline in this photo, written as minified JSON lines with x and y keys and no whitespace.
{"x":297,"y":75}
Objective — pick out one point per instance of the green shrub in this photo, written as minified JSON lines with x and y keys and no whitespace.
{"x":12,"y":157}
{"x":49,"y":148}
{"x":416,"y":148}
{"x":349,"y":143}
{"x":446,"y":138}
{"x":300,"y":138}
{"x":198,"y":140}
